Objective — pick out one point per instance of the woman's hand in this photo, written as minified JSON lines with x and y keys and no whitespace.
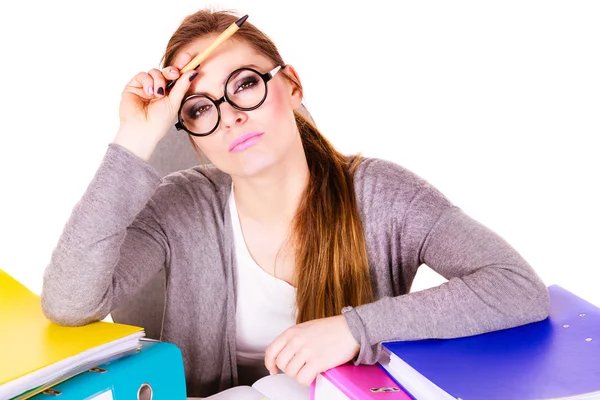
{"x":146,"y":110}
{"x":305,"y":350}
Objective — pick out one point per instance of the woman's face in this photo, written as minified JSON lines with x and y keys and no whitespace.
{"x":274,"y":118}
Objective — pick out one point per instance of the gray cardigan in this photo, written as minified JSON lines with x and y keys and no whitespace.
{"x":130,"y":224}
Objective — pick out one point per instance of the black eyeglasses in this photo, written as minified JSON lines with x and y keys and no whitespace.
{"x":245,"y":89}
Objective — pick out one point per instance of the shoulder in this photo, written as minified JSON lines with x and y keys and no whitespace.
{"x":385,"y":184}
{"x":194,"y":187}
{"x":380,"y":172}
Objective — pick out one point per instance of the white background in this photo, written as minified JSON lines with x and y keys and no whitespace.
{"x":495,"y":103}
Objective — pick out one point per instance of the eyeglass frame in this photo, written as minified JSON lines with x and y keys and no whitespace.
{"x":266,"y":77}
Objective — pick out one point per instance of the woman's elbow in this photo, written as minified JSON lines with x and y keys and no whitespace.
{"x":540,"y":303}
{"x":69,"y":307}
{"x":529,"y":304}
{"x":538,"y":298}
{"x":524,"y":299}
{"x":65,"y":314}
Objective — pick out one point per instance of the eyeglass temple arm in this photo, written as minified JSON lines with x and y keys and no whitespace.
{"x":275,"y":70}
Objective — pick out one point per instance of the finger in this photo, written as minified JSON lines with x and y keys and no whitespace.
{"x":142,"y":85}
{"x":170,"y":73}
{"x":159,"y":82}
{"x":272,"y":352}
{"x":179,"y":62}
{"x":306,"y":375}
{"x":181,"y":87}
{"x":284,"y":357}
{"x":182,"y":59}
{"x":293,"y":366}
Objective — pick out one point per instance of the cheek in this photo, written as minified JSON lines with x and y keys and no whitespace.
{"x":278,"y":102}
{"x":278,"y":114}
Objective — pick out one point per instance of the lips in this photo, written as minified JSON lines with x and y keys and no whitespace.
{"x":243,"y":138}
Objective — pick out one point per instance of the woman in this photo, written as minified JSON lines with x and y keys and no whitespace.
{"x":287,"y":255}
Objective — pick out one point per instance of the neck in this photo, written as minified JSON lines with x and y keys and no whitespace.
{"x":273,"y":196}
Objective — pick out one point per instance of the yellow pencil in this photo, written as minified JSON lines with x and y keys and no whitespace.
{"x":218,"y":41}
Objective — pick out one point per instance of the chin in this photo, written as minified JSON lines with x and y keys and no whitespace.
{"x":254,"y":166}
{"x":247,"y":164}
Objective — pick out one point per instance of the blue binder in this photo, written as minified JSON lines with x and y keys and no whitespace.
{"x":558,"y":357}
{"x":154,"y":372}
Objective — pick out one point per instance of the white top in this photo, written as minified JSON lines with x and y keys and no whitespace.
{"x":265,"y":304}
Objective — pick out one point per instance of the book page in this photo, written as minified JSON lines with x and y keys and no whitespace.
{"x":235,"y":393}
{"x":282,"y":387}
{"x":275,"y":387}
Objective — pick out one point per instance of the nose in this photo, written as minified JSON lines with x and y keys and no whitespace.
{"x":231,"y":116}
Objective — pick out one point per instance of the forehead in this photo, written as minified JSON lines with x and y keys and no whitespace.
{"x":230,"y":55}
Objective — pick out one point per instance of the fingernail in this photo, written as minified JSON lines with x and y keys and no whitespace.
{"x":160,"y":91}
{"x":150,"y":90}
{"x":193,"y":76}
{"x":173,"y":71}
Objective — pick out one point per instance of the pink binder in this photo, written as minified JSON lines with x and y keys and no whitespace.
{"x":362,"y":382}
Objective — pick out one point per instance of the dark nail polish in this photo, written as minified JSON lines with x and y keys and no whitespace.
{"x":193,"y":76}
{"x":160,"y":91}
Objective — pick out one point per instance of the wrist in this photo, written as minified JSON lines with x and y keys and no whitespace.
{"x":137,"y":144}
{"x":351,"y":339}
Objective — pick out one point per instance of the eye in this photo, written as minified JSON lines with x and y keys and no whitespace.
{"x":198,"y":110}
{"x":246,"y":84}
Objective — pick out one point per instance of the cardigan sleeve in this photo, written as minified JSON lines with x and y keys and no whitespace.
{"x":111,"y":245}
{"x":490,"y":286}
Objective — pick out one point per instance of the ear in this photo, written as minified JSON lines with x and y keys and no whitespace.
{"x":296,"y":93}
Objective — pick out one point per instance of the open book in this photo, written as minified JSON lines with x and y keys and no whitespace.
{"x":345,"y":382}
{"x":272,"y":387}
{"x":37,"y":353}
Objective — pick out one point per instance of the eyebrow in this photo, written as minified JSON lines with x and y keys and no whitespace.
{"x":238,"y":67}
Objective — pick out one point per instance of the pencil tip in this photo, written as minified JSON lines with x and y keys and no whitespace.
{"x":241,"y":21}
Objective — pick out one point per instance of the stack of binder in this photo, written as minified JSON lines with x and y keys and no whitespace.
{"x":38,"y":354}
{"x":154,"y":372}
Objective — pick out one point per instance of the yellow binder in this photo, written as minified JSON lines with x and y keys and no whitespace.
{"x":30,"y":342}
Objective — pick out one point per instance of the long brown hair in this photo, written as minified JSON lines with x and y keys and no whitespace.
{"x":331,"y":268}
